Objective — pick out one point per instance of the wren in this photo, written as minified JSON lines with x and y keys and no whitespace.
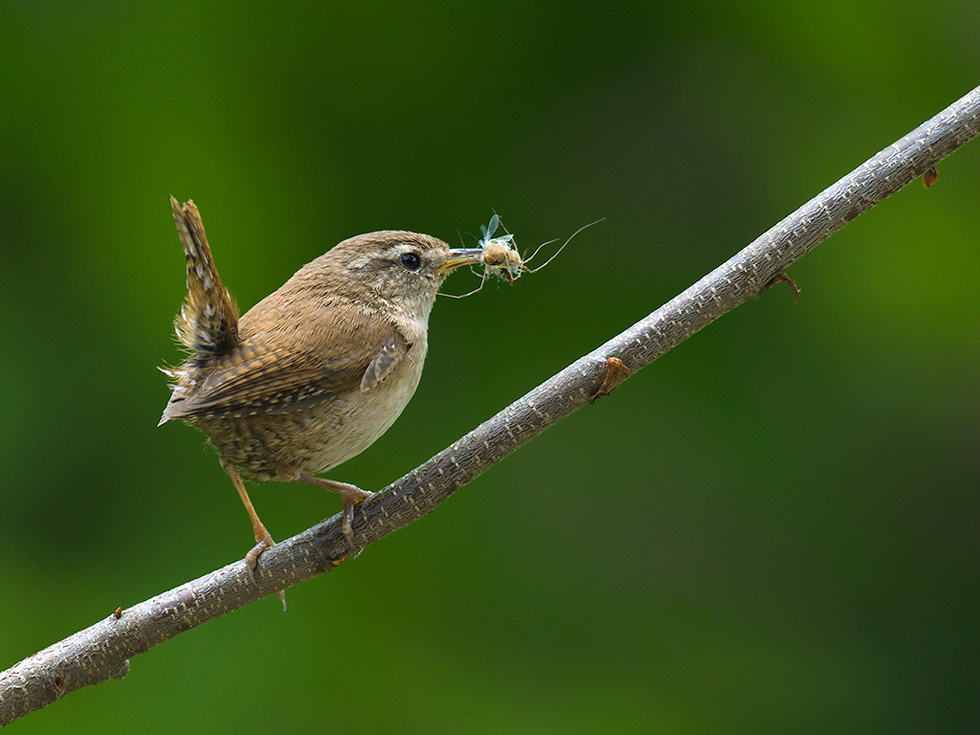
{"x":315,"y":372}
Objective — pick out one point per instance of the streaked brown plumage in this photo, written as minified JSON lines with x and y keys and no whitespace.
{"x":316,"y":371}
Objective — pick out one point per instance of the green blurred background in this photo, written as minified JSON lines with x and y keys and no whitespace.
{"x":774,"y":528}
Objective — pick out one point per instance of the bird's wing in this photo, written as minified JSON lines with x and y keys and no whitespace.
{"x":262,"y":376}
{"x":391,"y":353}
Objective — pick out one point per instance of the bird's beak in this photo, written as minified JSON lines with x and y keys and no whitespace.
{"x":459,"y":257}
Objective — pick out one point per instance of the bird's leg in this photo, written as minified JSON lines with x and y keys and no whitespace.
{"x":351,"y":494}
{"x":263,"y":540}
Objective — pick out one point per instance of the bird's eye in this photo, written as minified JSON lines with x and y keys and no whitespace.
{"x":411,"y":261}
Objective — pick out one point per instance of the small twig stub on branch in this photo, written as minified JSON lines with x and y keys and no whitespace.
{"x":613,"y":373}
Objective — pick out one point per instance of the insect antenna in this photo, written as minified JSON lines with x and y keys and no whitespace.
{"x":555,"y":254}
{"x":538,"y":249}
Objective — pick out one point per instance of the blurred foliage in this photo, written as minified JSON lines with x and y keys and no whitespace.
{"x":774,"y":528}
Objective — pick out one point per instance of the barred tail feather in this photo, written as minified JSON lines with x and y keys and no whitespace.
{"x":208,"y":321}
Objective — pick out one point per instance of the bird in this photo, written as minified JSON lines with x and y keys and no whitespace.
{"x":315,"y":372}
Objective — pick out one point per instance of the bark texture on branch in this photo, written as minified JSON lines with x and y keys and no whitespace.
{"x":103,"y":650}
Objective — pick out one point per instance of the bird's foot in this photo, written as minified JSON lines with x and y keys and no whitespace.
{"x":350,"y":500}
{"x":351,"y":494}
{"x":263,"y":541}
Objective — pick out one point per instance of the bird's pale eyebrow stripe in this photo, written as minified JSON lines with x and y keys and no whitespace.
{"x":358,"y":262}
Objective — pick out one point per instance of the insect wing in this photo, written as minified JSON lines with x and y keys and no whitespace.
{"x":491,"y":228}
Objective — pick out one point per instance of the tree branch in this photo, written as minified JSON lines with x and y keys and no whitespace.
{"x":103,"y":650}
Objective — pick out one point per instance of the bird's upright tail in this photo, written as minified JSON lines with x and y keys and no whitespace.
{"x":208,"y":321}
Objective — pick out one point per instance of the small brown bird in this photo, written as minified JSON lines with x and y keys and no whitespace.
{"x":313,"y":373}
